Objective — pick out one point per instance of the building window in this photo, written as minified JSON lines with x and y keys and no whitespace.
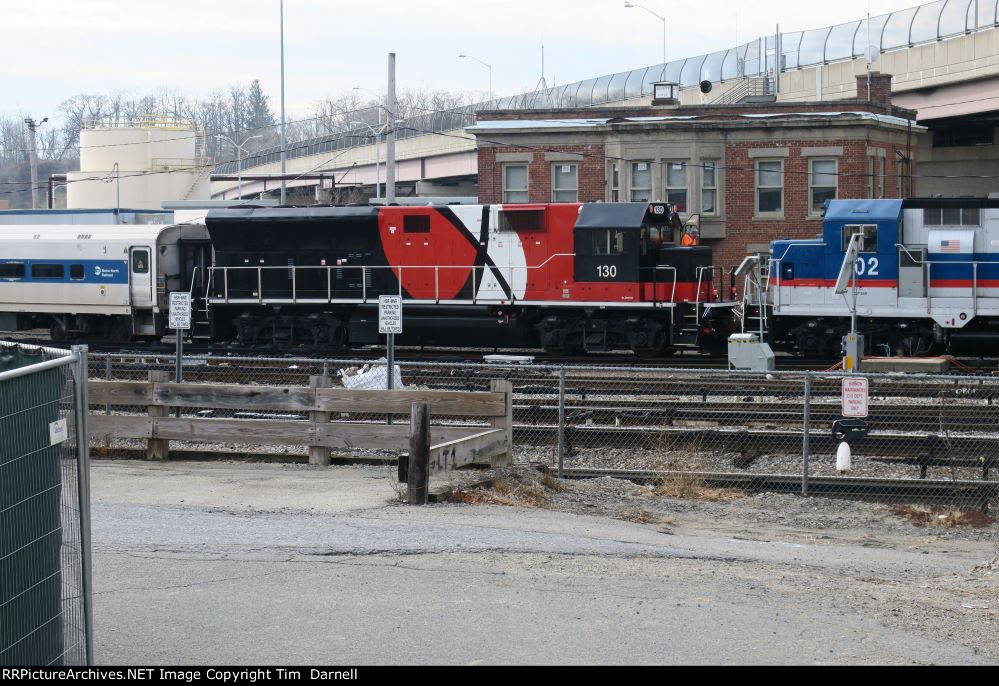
{"x":565,"y":182}
{"x":875,"y":177}
{"x":676,"y":186}
{"x":821,"y":184}
{"x":614,"y":180}
{"x":769,"y":186}
{"x":952,"y":216}
{"x":641,"y":181}
{"x":608,"y":242}
{"x":515,"y":183}
{"x":709,"y":187}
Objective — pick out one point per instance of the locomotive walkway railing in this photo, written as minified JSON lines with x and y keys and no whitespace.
{"x":334,"y":284}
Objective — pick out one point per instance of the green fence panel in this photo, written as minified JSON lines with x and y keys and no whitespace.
{"x":31,"y":622}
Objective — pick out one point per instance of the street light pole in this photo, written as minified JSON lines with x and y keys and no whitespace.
{"x":661,"y":18}
{"x":284,"y":156}
{"x":378,"y":142}
{"x":378,"y":151}
{"x":117,"y":188}
{"x":239,"y":160}
{"x":487,"y":66}
{"x":390,"y":106}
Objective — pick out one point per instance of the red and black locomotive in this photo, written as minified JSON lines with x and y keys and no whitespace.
{"x":563,"y":277}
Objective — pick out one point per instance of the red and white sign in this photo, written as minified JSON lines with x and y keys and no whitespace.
{"x":854,"y":396}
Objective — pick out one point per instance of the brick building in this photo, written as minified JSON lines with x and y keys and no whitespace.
{"x":751,"y":172}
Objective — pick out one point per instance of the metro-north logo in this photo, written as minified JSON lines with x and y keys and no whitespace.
{"x":97,"y":270}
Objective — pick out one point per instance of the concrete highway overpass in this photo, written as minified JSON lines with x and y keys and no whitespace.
{"x":944,"y":57}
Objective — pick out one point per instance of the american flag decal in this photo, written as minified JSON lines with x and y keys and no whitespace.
{"x":952,"y":245}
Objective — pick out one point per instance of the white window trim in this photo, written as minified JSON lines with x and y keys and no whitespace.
{"x":631,"y":179}
{"x":685,"y":187}
{"x":564,"y":190}
{"x":813,"y":212}
{"x":779,"y":214}
{"x":715,"y":188}
{"x":613,"y":188}
{"x":505,"y":191}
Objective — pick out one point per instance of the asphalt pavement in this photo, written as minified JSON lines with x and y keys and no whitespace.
{"x":271,"y":564}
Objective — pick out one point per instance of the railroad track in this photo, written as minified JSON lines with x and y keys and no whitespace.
{"x":956,"y":493}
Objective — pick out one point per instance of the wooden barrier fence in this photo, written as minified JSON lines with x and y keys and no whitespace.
{"x":449,"y":445}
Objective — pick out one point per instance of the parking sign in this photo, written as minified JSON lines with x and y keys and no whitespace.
{"x":180,"y":311}
{"x":389,"y":314}
{"x":854,"y":396}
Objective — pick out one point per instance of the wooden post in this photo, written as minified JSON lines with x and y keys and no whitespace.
{"x":317,"y":454}
{"x":418,"y":477}
{"x":504,"y":422}
{"x":157,"y":448}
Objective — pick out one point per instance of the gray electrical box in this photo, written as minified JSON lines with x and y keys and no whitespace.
{"x":853,"y":352}
{"x":747,"y":351}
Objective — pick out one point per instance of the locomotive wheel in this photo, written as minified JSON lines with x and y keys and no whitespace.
{"x":57,"y":332}
{"x":338,"y":339}
{"x":657,"y":349}
{"x":118,"y":332}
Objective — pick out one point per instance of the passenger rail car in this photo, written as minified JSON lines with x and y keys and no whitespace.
{"x":99,"y":282}
{"x":565,"y":277}
{"x":926,"y":275}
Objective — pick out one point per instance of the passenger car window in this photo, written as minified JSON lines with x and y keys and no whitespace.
{"x":47,"y":271}
{"x":76,"y":272}
{"x":140,"y":262}
{"x":11,"y":270}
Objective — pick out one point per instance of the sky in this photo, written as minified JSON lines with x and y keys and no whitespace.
{"x":55,"y":49}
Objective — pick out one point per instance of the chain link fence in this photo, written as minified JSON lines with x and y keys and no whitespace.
{"x":45,"y":598}
{"x":927,"y":438}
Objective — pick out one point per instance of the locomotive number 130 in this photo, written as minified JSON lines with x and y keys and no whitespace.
{"x":606,"y":271}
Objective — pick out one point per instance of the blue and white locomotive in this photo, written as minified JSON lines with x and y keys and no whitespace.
{"x":925,"y":278}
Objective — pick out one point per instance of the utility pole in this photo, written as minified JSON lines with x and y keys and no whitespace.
{"x":390,"y":105}
{"x":284,"y":155}
{"x":33,"y":152}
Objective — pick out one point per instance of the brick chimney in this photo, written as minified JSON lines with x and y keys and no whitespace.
{"x":880,"y":92}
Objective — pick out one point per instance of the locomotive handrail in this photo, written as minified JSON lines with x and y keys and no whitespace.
{"x":655,"y":283}
{"x":697,"y":293}
{"x":904,"y":249}
{"x":510,"y":269}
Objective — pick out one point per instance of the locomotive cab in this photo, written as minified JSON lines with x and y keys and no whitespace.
{"x":628,"y":243}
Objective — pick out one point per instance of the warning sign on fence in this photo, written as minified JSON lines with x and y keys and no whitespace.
{"x":854,"y":396}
